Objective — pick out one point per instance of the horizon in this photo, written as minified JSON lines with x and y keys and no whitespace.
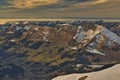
{"x":5,"y":20}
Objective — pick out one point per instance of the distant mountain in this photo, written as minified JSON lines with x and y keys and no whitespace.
{"x":43,"y":50}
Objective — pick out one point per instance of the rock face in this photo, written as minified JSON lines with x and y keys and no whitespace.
{"x":83,"y":37}
{"x":104,"y":37}
{"x":110,"y":35}
{"x":43,"y":50}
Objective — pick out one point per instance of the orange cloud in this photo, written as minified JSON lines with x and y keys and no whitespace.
{"x":99,"y":1}
{"x":28,"y":4}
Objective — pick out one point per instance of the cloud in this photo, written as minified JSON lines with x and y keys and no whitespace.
{"x":100,"y":1}
{"x":60,"y":8}
{"x":29,"y":4}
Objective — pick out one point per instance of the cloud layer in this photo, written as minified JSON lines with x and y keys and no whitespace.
{"x":28,"y":4}
{"x":60,"y":8}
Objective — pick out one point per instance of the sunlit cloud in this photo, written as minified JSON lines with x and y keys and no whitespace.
{"x":100,"y":1}
{"x":28,"y":4}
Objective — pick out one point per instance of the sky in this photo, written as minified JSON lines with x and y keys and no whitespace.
{"x":60,"y":8}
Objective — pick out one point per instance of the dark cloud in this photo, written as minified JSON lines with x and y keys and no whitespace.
{"x":75,"y":1}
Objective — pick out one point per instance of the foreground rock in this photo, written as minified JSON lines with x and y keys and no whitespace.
{"x":112,"y":73}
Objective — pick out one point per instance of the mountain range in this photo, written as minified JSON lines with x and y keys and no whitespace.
{"x":44,"y":50}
